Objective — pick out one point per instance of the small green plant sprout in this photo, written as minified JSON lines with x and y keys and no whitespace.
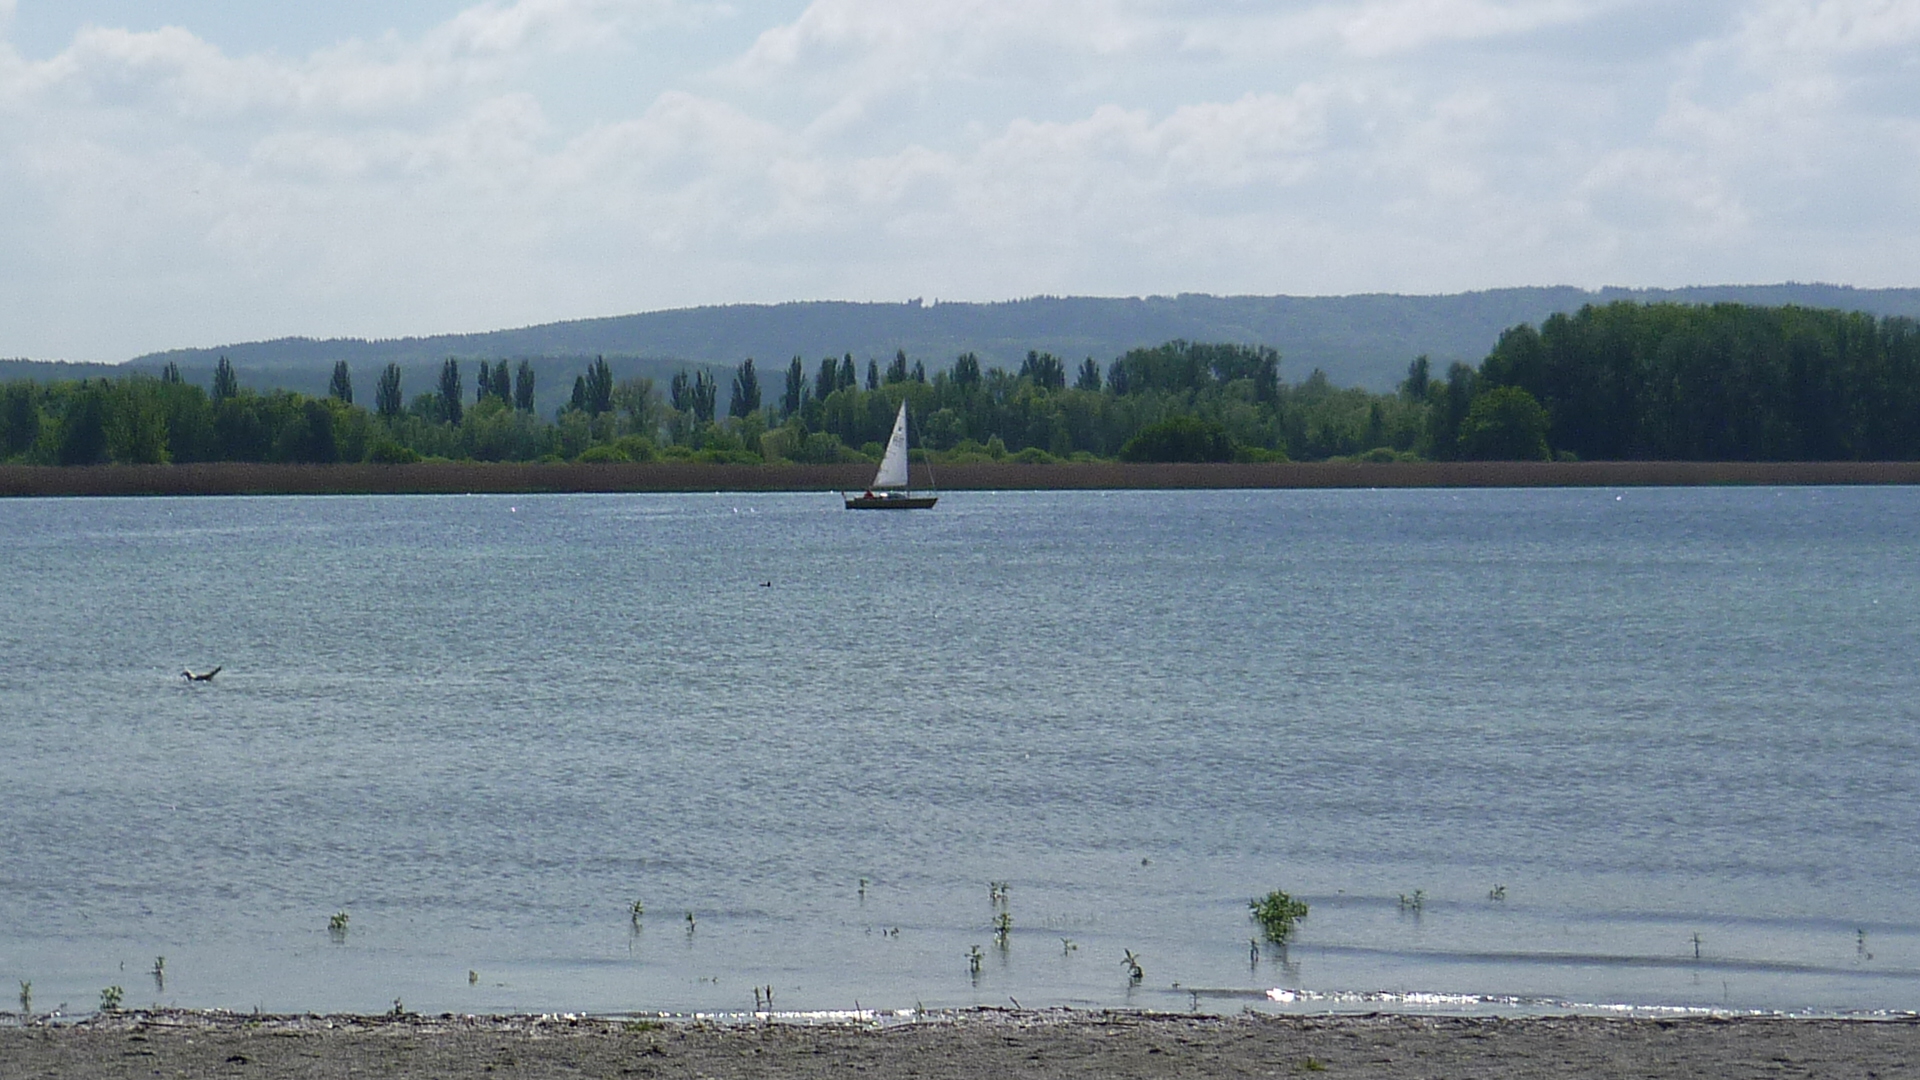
{"x":635,"y":910}
{"x":159,"y":972}
{"x":1497,"y":893}
{"x":1314,"y":1064}
{"x":472,"y":977}
{"x":1276,"y":913}
{"x":997,"y":892}
{"x":26,"y":998}
{"x":1002,"y":929}
{"x":1415,"y":903}
{"x":1132,"y":964}
{"x":337,"y":925}
{"x":974,"y":956}
{"x":110,"y":999}
{"x":1068,"y":947}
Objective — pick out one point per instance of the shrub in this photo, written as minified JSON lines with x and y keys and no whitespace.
{"x":1179,"y":438}
{"x":388,"y":452}
{"x":1504,"y":424}
{"x":1276,"y":913}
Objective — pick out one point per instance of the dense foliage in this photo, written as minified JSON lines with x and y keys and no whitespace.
{"x":1179,"y":401}
{"x":1721,"y":382}
{"x":1620,"y":381}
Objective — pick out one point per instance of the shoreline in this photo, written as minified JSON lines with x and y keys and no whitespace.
{"x":516,"y":478}
{"x":975,"y":1044}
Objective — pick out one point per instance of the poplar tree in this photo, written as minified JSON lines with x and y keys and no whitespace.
{"x":523,"y":386}
{"x":341,"y":386}
{"x":450,"y":391}
{"x":746,"y":391}
{"x":386,"y":396}
{"x":796,"y":394}
{"x":225,"y":383}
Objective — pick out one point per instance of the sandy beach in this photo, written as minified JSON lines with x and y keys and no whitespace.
{"x":969,"y":1045}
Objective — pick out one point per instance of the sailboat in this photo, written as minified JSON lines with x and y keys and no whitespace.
{"x":891,"y":490}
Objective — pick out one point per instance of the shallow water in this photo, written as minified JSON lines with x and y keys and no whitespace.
{"x":482,"y":727}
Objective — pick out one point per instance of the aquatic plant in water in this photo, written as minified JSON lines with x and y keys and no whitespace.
{"x":1132,"y":964}
{"x":110,"y":999}
{"x":1276,"y":913}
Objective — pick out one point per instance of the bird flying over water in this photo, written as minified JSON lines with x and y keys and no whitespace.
{"x":205,"y":677}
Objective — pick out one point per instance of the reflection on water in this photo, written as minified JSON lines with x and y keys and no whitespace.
{"x":1646,"y":748}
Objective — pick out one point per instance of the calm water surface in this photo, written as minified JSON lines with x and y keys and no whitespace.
{"x":1664,"y":720}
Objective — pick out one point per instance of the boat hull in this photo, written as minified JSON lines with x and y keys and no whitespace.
{"x":891,"y":502}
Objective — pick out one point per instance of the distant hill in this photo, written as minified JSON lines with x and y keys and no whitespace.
{"x":56,"y":370}
{"x":1363,"y":340}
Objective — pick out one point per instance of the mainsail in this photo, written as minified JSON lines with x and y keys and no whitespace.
{"x":893,"y":467}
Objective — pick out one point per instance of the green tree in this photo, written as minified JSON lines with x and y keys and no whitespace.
{"x":225,"y":383}
{"x":83,"y":430}
{"x":170,"y":374}
{"x":827,"y":380}
{"x":136,"y":421}
{"x":1419,"y":377}
{"x":746,"y":391}
{"x":523,"y":387}
{"x":848,"y":377}
{"x":386,"y":396}
{"x":873,"y":374}
{"x":795,"y":394}
{"x":1089,"y":379}
{"x":897,"y":369}
{"x":19,"y":418}
{"x":702,"y":397}
{"x":450,"y":405}
{"x":1045,"y":369}
{"x":1504,"y":424}
{"x":1179,"y":438}
{"x":597,"y":388}
{"x":340,"y":388}
{"x":1449,"y":402}
{"x":966,"y":371}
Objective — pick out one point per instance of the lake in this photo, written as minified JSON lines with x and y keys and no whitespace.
{"x":1520,"y":750}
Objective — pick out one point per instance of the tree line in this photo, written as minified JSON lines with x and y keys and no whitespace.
{"x":1618,"y":381}
{"x":1720,"y":382}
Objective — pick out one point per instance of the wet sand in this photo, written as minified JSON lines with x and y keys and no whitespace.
{"x":970,"y":1045}
{"x":240,"y":478}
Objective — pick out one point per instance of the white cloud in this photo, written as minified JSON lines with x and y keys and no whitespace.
{"x":556,"y":158}
{"x":1385,"y":27}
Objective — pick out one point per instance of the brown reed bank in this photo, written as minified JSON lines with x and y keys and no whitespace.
{"x":242,"y":478}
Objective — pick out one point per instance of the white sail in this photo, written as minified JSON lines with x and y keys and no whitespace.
{"x":893,"y":467}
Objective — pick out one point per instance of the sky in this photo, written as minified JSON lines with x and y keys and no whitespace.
{"x":198,"y":172}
